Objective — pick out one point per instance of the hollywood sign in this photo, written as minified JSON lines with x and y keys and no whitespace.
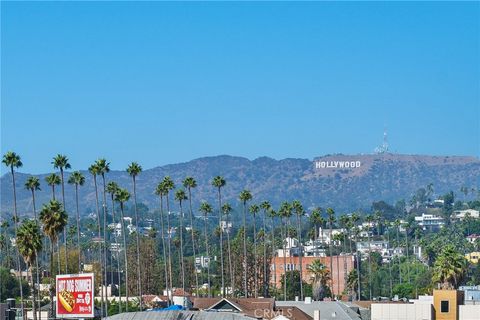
{"x":337,"y":164}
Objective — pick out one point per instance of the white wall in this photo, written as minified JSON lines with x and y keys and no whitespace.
{"x":469,"y":312}
{"x":401,"y":311}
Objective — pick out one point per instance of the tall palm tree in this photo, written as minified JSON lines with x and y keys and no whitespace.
{"x":285,"y":212}
{"x":272,"y":214}
{"x":13,"y":161}
{"x":331,"y":221}
{"x":226,"y":210}
{"x":344,"y":221}
{"x":95,"y":170}
{"x":54,"y":219}
{"x":265,"y":205}
{"x":254,"y":209}
{"x":320,"y":276}
{"x":299,"y":212}
{"x":354,"y":219}
{"x":369,"y":220}
{"x":112,"y":188}
{"x":449,"y":268}
{"x":61,"y":162}
{"x":33,"y":184}
{"x":244,"y":197}
{"x":219,"y":182}
{"x":53,"y":180}
{"x":206,"y":209}
{"x":134,"y":170}
{"x":189,"y":183}
{"x":406,"y":226}
{"x":316,"y":219}
{"x":29,"y":241}
{"x":397,"y":223}
{"x":181,"y":196}
{"x":103,"y":168}
{"x":161,"y":192}
{"x":122,"y":196}
{"x":77,"y":179}
{"x":168,"y":185}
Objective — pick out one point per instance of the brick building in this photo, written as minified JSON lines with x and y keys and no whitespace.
{"x":339,"y":275}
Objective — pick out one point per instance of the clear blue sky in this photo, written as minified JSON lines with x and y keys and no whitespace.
{"x":162,"y":83}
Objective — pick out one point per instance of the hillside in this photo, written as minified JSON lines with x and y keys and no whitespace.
{"x":327,"y":181}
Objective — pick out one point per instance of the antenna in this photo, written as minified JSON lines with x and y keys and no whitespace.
{"x":383,"y":148}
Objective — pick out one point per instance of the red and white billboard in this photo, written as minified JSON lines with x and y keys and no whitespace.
{"x":75,"y":295}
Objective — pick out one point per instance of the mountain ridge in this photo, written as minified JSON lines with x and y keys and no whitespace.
{"x":386,"y":177}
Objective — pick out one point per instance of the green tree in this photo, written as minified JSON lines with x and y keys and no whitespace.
{"x":299,"y":212}
{"x":266,"y":206}
{"x":449,"y":268}
{"x":111,"y":189}
{"x":13,"y":161}
{"x":284,"y":212}
{"x":227,"y":210}
{"x":219,"y":182}
{"x":77,"y":179}
{"x":53,"y":180}
{"x":206,"y":209}
{"x":320,"y":277}
{"x":134,"y":170}
{"x":168,"y":185}
{"x":54,"y":220}
{"x":181,"y":196}
{"x":161,"y":191}
{"x":331,"y":220}
{"x":33,"y":184}
{"x":29,"y":241}
{"x":244,"y":197}
{"x":122,"y":196}
{"x":254,"y":209}
{"x":190,"y":183}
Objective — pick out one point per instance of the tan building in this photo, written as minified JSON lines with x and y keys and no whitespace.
{"x":342,"y":265}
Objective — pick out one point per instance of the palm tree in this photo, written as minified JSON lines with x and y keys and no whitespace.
{"x":54,"y":219}
{"x":331,"y":221}
{"x":285,"y":212}
{"x":397,"y":224}
{"x":369,"y":220}
{"x":53,"y":180}
{"x":103,"y":168}
{"x":449,"y":268}
{"x":77,"y":179}
{"x":189,"y":183}
{"x":320,"y":277}
{"x":254,"y":209}
{"x":29,"y":241}
{"x":344,"y":221}
{"x":33,"y":184}
{"x":272,"y":214}
{"x":206,"y":209}
{"x":265,"y":205}
{"x":298,"y":208}
{"x":95,"y":170}
{"x":12,"y":160}
{"x":168,"y":185}
{"x":245,"y":196}
{"x":122,"y":196}
{"x":133,"y":170}
{"x":180,"y":196}
{"x":61,"y":162}
{"x":316,"y":219}
{"x":226,"y":210}
{"x":219,"y":182}
{"x":112,"y":188}
{"x":161,"y":192}
{"x":354,"y":219}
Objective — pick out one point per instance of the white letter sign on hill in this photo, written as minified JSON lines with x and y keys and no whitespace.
{"x":75,"y":295}
{"x":333,"y":164}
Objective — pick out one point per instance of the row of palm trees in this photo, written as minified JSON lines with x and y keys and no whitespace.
{"x":53,"y":214}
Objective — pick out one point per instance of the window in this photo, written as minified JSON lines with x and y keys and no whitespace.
{"x":444,"y":306}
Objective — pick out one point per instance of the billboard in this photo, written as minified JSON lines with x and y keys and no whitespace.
{"x":75,"y":295}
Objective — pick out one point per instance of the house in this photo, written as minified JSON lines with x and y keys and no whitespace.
{"x":430,"y":222}
{"x":473,"y":257}
{"x":292,"y":248}
{"x":256,"y":308}
{"x":462,"y":214}
{"x":473,"y":238}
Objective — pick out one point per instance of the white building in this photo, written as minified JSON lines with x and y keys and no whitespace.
{"x":462,"y":214}
{"x":430,"y":221}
